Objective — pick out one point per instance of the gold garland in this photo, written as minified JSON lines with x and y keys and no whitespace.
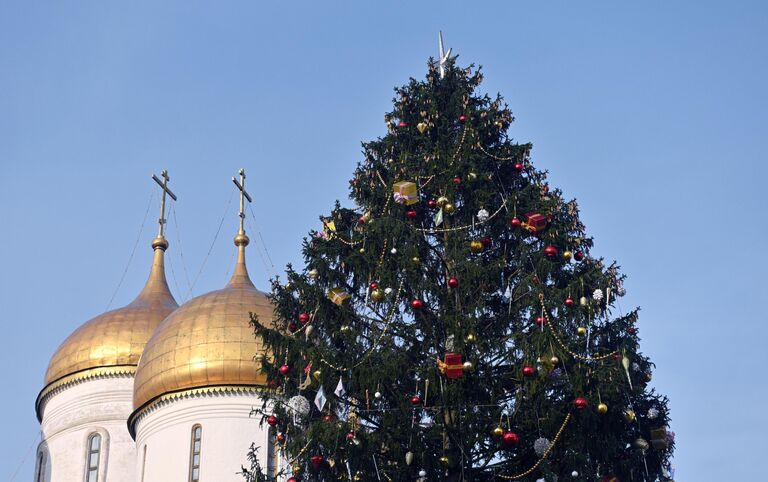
{"x":559,"y":340}
{"x":461,"y":228}
{"x":378,"y":340}
{"x":498,"y":158}
{"x":543,"y":457}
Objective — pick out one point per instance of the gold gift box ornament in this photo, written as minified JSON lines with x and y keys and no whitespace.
{"x":338,"y":296}
{"x":406,"y":192}
{"x":659,"y":438}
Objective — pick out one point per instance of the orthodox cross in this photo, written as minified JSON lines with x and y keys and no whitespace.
{"x":243,"y":196}
{"x":164,"y":186}
{"x":442,"y":57}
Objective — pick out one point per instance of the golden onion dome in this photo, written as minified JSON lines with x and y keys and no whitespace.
{"x":113,"y":342}
{"x":207,"y":342}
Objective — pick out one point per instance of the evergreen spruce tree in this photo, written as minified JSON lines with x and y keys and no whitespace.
{"x":453,"y":326}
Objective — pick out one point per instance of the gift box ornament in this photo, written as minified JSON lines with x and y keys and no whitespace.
{"x":338,"y":296}
{"x":535,"y":222}
{"x":452,"y":367}
{"x":659,"y":439}
{"x":406,"y":192}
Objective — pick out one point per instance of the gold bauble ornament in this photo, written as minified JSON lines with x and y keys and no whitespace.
{"x":472,"y":176}
{"x":317,"y":374}
{"x":289,"y":286}
{"x":445,"y":460}
{"x":602,"y":408}
{"x":468,"y":366}
{"x":640,"y":444}
{"x":442,"y":201}
{"x":422,"y":127}
{"x":629,"y":415}
{"x":313,"y":274}
{"x":345,"y":328}
{"x":475,"y":246}
{"x":362,"y":250}
{"x":449,"y":208}
{"x":554,"y":360}
{"x":470,"y":338}
{"x":296,"y":468}
{"x":583,"y":301}
{"x":567,"y":255}
{"x":377,"y":295}
{"x":581,"y":331}
{"x":497,"y":432}
{"x":416,"y":260}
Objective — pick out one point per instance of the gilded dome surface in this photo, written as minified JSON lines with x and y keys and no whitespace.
{"x":116,"y":338}
{"x":207,"y":342}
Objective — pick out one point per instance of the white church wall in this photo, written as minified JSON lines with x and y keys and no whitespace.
{"x":227,"y":433}
{"x":72,"y":415}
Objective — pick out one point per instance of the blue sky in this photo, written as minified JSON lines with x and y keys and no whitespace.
{"x":652,"y":115}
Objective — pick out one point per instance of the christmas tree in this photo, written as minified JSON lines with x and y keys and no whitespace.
{"x":453,"y":325}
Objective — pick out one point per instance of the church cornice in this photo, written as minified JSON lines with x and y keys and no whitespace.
{"x":61,"y":384}
{"x":168,"y":398}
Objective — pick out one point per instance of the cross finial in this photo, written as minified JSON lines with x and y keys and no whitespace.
{"x":243,"y":196}
{"x":160,"y":240}
{"x":442,"y":57}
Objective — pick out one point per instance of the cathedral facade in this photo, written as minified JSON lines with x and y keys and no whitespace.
{"x":157,"y":392}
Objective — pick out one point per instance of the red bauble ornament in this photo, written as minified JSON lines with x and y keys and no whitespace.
{"x":350,"y":436}
{"x":374,"y":285}
{"x":402,"y":124}
{"x":631,"y":330}
{"x":453,"y":282}
{"x":609,"y":478}
{"x":361,"y":220}
{"x":292,"y":327}
{"x":580,"y":403}
{"x":328,"y":417}
{"x":541,"y":321}
{"x":457,"y":180}
{"x":285,"y":370}
{"x":510,"y":438}
{"x":417,"y":304}
{"x":280,"y":437}
{"x":292,"y":479}
{"x":303,"y":318}
{"x":411,"y":213}
{"x":432,"y":203}
{"x":486,"y":241}
{"x":271,"y":420}
{"x":578,"y":255}
{"x":462,"y":119}
{"x":415,"y":400}
{"x":515,"y":223}
{"x":518,"y":166}
{"x":569,"y":302}
{"x":529,"y":371}
{"x":550,"y":252}
{"x":317,"y":461}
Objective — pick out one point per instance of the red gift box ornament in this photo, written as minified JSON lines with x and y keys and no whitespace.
{"x":452,"y":367}
{"x":535,"y":222}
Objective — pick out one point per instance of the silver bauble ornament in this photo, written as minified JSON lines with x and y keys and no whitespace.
{"x":483,"y":215}
{"x":299,"y":405}
{"x":541,"y":445}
